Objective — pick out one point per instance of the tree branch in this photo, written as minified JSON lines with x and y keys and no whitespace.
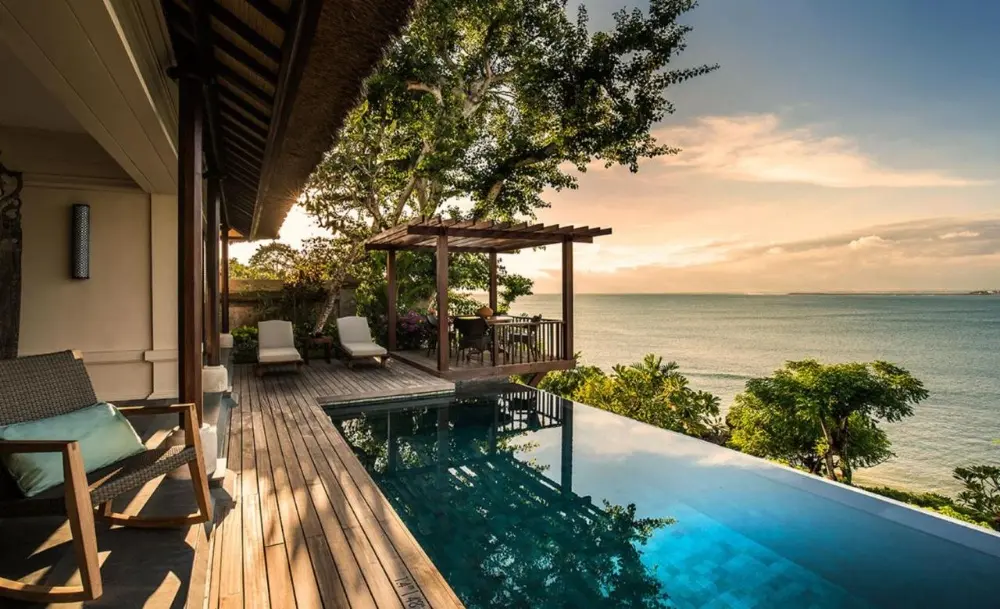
{"x":419,"y":86}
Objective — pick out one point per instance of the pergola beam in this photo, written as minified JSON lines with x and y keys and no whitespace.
{"x":470,"y":236}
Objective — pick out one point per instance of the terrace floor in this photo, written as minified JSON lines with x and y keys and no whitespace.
{"x":300,"y":524}
{"x":461,"y":369}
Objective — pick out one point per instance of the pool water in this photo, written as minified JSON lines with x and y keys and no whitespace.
{"x":523,"y":499}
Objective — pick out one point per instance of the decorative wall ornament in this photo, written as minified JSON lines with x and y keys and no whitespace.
{"x":11,"y":183}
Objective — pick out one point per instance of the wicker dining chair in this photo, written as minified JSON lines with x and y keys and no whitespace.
{"x":42,"y":386}
{"x":473,"y":337}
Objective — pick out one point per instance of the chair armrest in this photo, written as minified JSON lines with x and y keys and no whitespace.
{"x":35,"y":446}
{"x":130,"y":411}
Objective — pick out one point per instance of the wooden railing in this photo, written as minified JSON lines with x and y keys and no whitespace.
{"x":526,"y":341}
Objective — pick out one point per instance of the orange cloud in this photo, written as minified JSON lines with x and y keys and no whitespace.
{"x":757,"y":148}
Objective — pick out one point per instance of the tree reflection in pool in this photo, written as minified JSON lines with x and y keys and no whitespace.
{"x":458,"y":470}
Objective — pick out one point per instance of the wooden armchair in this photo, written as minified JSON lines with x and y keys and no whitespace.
{"x":42,"y":386}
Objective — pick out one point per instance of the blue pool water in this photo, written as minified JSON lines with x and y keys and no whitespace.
{"x":523,"y":499}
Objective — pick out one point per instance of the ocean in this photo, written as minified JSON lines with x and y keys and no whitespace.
{"x":951,"y":343}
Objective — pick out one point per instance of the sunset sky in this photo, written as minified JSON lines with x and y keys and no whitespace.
{"x":848,"y":145}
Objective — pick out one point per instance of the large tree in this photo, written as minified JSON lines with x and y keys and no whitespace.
{"x":824,"y":417}
{"x":492,"y":103}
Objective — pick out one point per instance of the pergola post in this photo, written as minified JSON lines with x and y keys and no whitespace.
{"x":225,"y":279}
{"x":567,"y":298}
{"x":444,"y":348}
{"x":212,"y":246}
{"x":390,"y":287}
{"x":493,"y":281}
{"x":190,"y":239}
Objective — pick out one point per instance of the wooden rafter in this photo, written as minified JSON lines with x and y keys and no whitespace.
{"x":480,"y":237}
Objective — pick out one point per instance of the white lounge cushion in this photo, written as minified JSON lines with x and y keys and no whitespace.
{"x":275,"y":334}
{"x":356,"y":337}
{"x":364,"y":349}
{"x":279,"y":355}
{"x":353,"y":329}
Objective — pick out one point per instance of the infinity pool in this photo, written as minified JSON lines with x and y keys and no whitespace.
{"x":523,"y":499}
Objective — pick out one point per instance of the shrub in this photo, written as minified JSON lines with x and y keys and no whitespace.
{"x":244,"y":344}
{"x":932,"y":502}
{"x":411,"y":330}
{"x":982,"y":491}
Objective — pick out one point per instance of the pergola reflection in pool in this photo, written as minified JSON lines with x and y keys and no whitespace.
{"x":443,"y":237}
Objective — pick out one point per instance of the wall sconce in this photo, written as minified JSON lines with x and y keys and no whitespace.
{"x":80,"y":246}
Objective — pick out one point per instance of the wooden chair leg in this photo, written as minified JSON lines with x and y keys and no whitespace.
{"x":199,"y":478}
{"x":81,"y":523}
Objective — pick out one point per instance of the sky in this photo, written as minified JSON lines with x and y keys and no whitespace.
{"x":841,"y":146}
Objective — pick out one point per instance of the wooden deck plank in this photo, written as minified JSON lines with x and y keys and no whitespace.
{"x":255,"y":586}
{"x":298,"y":560}
{"x":352,"y":553}
{"x":401,"y":555}
{"x":311,"y":529}
{"x":366,"y":514}
{"x":231,"y":571}
{"x":277,"y":568}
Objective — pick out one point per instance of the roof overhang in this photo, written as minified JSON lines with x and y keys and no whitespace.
{"x":281,"y":76}
{"x":479,"y":237}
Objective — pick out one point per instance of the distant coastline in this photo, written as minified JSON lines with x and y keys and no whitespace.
{"x":901,"y":293}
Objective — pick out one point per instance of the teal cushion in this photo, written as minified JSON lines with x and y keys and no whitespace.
{"x":104,"y":434}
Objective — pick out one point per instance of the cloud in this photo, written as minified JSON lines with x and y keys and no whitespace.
{"x":898,"y":256}
{"x":871,"y":241}
{"x":758,"y":148}
{"x":960,"y":235}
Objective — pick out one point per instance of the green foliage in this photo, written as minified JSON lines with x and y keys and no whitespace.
{"x":565,"y":383}
{"x":494,"y":103}
{"x":982,"y":491}
{"x":417,"y":287}
{"x":274,"y":260}
{"x":650,"y":391}
{"x":932,"y":502}
{"x":824,"y":417}
{"x":244,"y":344}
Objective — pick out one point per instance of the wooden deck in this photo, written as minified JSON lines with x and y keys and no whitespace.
{"x":308,"y":527}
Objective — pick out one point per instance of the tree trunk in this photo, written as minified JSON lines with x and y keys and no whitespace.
{"x":332,"y":296}
{"x":831,"y":470}
{"x":10,"y":261}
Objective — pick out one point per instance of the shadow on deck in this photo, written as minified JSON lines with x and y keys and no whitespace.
{"x":298,"y":522}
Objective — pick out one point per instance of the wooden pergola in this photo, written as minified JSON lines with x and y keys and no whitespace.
{"x":443,"y":237}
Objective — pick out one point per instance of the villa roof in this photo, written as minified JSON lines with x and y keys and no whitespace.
{"x":479,"y":237}
{"x":282,"y":74}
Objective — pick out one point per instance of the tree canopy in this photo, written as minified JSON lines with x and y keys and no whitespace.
{"x":490,"y":104}
{"x":824,"y":417}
